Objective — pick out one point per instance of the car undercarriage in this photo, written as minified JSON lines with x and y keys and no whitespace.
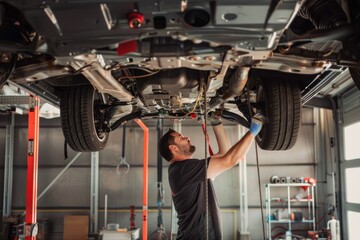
{"x":107,"y":62}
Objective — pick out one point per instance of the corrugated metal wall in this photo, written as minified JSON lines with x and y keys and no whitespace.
{"x":71,"y":194}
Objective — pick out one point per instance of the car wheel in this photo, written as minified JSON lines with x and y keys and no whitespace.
{"x":280,"y":102}
{"x":82,"y":119}
{"x":355,"y":74}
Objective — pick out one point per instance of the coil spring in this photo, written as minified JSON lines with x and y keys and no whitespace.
{"x":109,"y":113}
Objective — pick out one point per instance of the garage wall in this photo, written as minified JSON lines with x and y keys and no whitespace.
{"x":71,"y":194}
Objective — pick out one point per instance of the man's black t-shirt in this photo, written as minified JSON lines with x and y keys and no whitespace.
{"x":187,"y":183}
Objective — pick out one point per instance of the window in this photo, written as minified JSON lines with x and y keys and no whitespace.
{"x":353,"y":225}
{"x":352,"y":179}
{"x":351,"y":141}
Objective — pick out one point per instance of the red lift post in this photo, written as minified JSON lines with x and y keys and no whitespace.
{"x":145,"y":179}
{"x":32,"y":169}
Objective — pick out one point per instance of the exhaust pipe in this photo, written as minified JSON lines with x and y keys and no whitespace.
{"x":237,"y":83}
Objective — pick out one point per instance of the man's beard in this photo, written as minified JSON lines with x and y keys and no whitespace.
{"x":192,"y":149}
{"x":189,"y":149}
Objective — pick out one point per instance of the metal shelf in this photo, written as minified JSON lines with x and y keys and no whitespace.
{"x":290,"y":221}
{"x":289,"y":204}
{"x":288,"y":185}
{"x":291,"y":200}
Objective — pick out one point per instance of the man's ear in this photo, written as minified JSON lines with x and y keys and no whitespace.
{"x":172,"y":147}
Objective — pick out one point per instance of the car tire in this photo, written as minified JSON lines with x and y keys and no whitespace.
{"x":355,"y":74}
{"x":81,"y":119}
{"x":280,"y":102}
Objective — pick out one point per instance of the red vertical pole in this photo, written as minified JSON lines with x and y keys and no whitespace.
{"x":32,"y":168}
{"x":145,"y":178}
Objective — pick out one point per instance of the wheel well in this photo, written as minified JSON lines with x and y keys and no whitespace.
{"x":302,"y":80}
{"x":13,"y":25}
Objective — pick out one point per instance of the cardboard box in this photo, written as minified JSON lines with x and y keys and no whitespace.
{"x":76,"y":227}
{"x":120,"y":234}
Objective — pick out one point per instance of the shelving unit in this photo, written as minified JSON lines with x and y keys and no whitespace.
{"x":288,"y":202}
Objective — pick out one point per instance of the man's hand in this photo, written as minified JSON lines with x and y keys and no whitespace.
{"x":215,"y":117}
{"x":257,"y":121}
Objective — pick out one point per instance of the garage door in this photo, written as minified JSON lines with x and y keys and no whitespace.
{"x":350,"y":162}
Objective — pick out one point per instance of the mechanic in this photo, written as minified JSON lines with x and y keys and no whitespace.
{"x":187,"y":176}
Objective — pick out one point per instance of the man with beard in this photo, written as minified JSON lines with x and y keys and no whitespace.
{"x":187,"y":177}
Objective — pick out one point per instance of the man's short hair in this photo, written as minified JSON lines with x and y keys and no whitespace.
{"x":164,"y":143}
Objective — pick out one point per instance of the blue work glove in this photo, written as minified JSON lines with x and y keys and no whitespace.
{"x":257,"y":121}
{"x":215,"y":117}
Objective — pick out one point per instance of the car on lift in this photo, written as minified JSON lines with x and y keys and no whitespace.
{"x":107,"y":62}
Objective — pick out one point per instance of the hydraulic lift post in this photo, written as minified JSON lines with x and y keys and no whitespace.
{"x":8,"y":167}
{"x":145,"y":179}
{"x":177,"y":126}
{"x":30,"y":230}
